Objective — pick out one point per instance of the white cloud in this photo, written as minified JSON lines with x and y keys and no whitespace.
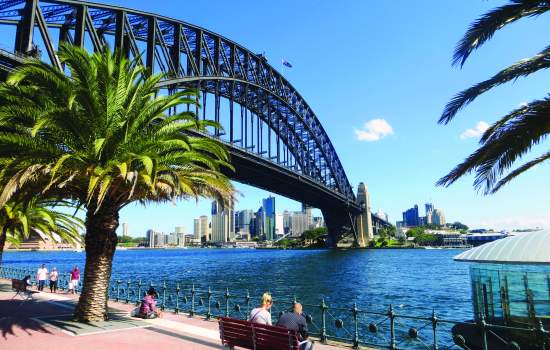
{"x":477,"y":131}
{"x":374,"y":130}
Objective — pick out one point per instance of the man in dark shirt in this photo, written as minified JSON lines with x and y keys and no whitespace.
{"x":296,"y":321}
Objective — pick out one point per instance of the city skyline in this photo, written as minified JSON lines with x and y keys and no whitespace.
{"x":403,"y":151}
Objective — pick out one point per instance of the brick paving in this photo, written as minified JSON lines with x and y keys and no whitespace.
{"x":44,"y":323}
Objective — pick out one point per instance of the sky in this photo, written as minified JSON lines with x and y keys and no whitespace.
{"x":378,"y":74}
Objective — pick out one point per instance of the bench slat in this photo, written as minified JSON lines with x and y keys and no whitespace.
{"x":241,"y":333}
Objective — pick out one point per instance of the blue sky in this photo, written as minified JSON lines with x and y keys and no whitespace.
{"x":359,"y":61}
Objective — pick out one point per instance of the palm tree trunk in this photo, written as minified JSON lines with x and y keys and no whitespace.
{"x":100,"y":247}
{"x":3,"y":236}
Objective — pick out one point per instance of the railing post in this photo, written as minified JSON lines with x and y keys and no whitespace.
{"x":139,"y":293}
{"x":434,"y":327}
{"x":177,"y":309}
{"x":483,"y":325}
{"x":391,"y":316}
{"x":356,"y":327}
{"x":226,"y":302}
{"x":117,"y":289}
{"x":209,"y":297}
{"x":163,"y":306}
{"x":247,"y":300}
{"x":128,"y":291}
{"x":323,"y":334}
{"x":192,"y":312}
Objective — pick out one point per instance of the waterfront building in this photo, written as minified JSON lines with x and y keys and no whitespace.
{"x":125,"y":229}
{"x":223,"y":223}
{"x":197,"y":228}
{"x":298,"y":223}
{"x":286,"y":221}
{"x":156,"y":239}
{"x":410,"y":217}
{"x":203,"y":226}
{"x":258,"y":224}
{"x":309,"y":217}
{"x":438,"y":217}
{"x":279,"y":227}
{"x":268,"y":222}
{"x":243,"y":220}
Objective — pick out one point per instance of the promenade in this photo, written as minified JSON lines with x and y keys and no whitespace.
{"x":45,"y":323}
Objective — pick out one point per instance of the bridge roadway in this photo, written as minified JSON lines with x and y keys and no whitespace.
{"x":276,"y":141}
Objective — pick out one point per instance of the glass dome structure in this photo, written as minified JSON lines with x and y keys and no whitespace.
{"x":510,"y":279}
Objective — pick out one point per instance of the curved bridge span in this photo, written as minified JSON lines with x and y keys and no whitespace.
{"x":276,"y":140}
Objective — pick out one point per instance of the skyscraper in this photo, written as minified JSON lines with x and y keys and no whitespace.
{"x":268,"y":206}
{"x":204,"y":228}
{"x":124,"y":229}
{"x":439,"y":217}
{"x":410,"y":217}
{"x":197,"y":228}
{"x":364,"y":220}
{"x":429,"y":213}
{"x":223,"y":223}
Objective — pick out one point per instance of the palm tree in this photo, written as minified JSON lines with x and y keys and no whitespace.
{"x":20,"y":218}
{"x":101,"y":138}
{"x":516,"y":133}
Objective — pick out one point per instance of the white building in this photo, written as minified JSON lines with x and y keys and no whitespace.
{"x":223,"y":224}
{"x":438,"y":217}
{"x":279,"y":226}
{"x":125,"y":229}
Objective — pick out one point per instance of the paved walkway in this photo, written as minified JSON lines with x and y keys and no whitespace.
{"x":45,"y":323}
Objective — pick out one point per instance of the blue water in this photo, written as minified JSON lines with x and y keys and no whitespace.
{"x":414,"y":282}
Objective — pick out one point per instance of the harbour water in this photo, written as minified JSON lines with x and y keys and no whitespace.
{"x":413,"y":281}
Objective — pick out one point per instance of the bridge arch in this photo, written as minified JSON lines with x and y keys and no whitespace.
{"x":192,"y":56}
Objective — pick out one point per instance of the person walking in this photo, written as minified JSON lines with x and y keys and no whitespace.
{"x":53,"y":280}
{"x":295,"y":320}
{"x":75,"y":278}
{"x":41,"y":276}
{"x":261,"y":314}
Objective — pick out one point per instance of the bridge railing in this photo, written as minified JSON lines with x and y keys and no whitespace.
{"x":386,"y":328}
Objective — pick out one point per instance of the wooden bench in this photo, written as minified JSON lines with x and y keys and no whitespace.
{"x":20,"y":287}
{"x":248,"y":335}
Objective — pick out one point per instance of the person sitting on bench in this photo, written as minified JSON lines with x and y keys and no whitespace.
{"x":261,"y":314}
{"x":148,"y":308}
{"x":294,"y":320}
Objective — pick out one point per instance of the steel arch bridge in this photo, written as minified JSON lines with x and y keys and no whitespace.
{"x":275,"y":139}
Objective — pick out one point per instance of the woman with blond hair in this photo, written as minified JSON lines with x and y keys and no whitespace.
{"x":261,"y":314}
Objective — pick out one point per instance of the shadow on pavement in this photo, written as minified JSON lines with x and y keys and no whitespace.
{"x":11,"y":318}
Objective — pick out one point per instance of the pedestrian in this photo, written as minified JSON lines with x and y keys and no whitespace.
{"x":261,"y":314}
{"x":53,"y":280}
{"x":295,"y":320}
{"x":75,"y":278}
{"x":41,"y":276}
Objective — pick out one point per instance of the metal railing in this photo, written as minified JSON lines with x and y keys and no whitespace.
{"x":386,"y":329}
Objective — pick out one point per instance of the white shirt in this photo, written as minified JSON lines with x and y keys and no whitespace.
{"x":260,"y":315}
{"x":42,"y":273}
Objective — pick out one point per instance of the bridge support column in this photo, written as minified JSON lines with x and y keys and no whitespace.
{"x":364,"y":219}
{"x":339,"y":222}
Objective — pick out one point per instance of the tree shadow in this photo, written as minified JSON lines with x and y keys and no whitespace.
{"x":14,"y":316}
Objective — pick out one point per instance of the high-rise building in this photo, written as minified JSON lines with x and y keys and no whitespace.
{"x":429,"y":213}
{"x":298,"y":223}
{"x":124,"y":229}
{"x":223,"y":223}
{"x":286,"y":221}
{"x":309,"y":217}
{"x":410,"y":217}
{"x":203,"y":222}
{"x":156,"y":239}
{"x":279,"y":227}
{"x":439,"y":217}
{"x":243,"y":220}
{"x":259,"y":223}
{"x":268,"y":205}
{"x":197,"y":228}
{"x":364,"y":220}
